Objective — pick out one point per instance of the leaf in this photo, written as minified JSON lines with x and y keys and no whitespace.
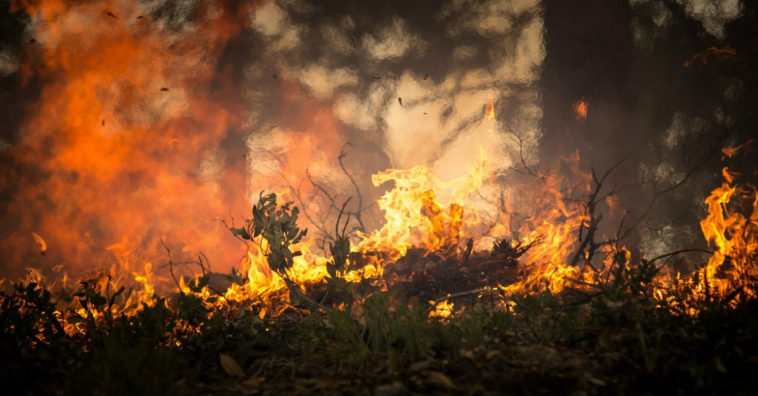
{"x":420,"y":366}
{"x":240,"y":232}
{"x":439,"y":379}
{"x":596,"y":381}
{"x":331,"y":269}
{"x":230,"y":366}
{"x":719,"y":365}
{"x":294,"y":298}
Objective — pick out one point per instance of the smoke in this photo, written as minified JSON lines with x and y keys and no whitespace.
{"x":123,"y":145}
{"x":406,"y":85}
{"x":156,"y":119}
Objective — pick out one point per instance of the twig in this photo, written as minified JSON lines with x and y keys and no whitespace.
{"x":699,"y":163}
{"x":359,"y":209}
{"x":294,"y":288}
{"x":318,"y":186}
{"x":674,"y":253}
{"x":521,"y":150}
{"x":467,"y":252}
{"x":588,"y":243}
{"x":171,"y":265}
{"x":319,"y":226}
{"x":460,"y":294}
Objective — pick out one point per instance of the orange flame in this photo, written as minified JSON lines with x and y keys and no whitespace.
{"x":93,"y":133}
{"x":580,"y":110}
{"x":735,"y":237}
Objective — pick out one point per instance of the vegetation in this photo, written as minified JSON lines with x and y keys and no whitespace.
{"x":614,"y":338}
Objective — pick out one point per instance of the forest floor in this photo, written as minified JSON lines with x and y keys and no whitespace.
{"x":616,"y":339}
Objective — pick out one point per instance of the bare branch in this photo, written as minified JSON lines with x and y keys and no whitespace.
{"x":521,"y":150}
{"x":359,"y":210}
{"x":171,"y":265}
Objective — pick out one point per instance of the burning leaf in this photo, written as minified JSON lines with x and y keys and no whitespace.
{"x":41,"y":242}
{"x":719,"y":54}
{"x":230,"y":366}
{"x":729,"y":176}
{"x":732,"y":151}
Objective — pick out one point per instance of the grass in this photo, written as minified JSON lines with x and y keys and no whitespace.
{"x":614,"y":342}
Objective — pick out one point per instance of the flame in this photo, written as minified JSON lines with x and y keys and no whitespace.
{"x":413,"y":213}
{"x":110,"y":182}
{"x":580,"y":110}
{"x":735,"y":236}
{"x":490,"y":111}
{"x":552,"y":226}
{"x":442,"y":309}
{"x":730,"y":152}
{"x":729,"y":176}
{"x":731,"y":228}
{"x":422,"y":211}
{"x":110,"y":87}
{"x":716,"y":53}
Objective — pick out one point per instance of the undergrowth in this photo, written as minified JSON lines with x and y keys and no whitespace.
{"x":618,"y":340}
{"x":613,"y":337}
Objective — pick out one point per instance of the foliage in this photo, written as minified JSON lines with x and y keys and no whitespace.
{"x":278,"y":226}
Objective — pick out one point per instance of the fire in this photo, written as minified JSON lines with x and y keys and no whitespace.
{"x":414,"y":215}
{"x":100,"y":171}
{"x":490,"y":112}
{"x":423,"y":212}
{"x":729,"y":152}
{"x":442,"y":309}
{"x":729,"y":176}
{"x":580,"y":110}
{"x":109,"y":182}
{"x":734,"y":234}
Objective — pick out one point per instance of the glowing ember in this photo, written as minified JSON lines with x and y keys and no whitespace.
{"x":442,"y":309}
{"x":41,"y":242}
{"x":580,"y":110}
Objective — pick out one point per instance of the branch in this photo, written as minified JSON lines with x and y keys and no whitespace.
{"x":171,"y":265}
{"x":521,"y":150}
{"x":674,"y":253}
{"x":357,"y":213}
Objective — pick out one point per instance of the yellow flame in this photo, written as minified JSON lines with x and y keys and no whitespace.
{"x":490,"y":111}
{"x":442,"y":309}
